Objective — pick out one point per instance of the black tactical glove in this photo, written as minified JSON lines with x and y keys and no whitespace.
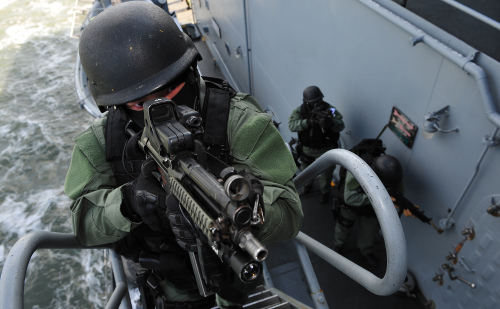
{"x":183,"y":229}
{"x":145,"y":199}
{"x":326,"y":122}
{"x":312,"y":122}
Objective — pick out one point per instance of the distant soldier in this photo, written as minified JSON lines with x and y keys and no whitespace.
{"x":355,"y":206}
{"x":318,"y":125}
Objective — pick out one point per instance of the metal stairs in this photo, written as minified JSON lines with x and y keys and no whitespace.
{"x":270,"y":298}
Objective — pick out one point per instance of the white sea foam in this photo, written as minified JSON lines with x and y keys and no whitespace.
{"x":97,"y":274}
{"x":24,"y":216}
{"x":30,"y":19}
{"x":6,"y":3}
{"x":38,"y":118}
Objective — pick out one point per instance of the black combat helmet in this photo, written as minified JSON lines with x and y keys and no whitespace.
{"x":388,"y":169}
{"x":312,"y":94}
{"x":131,"y":50}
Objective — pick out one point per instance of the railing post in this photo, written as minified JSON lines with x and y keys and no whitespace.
{"x":390,"y":224}
{"x":120,"y":294}
{"x":317,"y":294}
{"x":14,"y":269}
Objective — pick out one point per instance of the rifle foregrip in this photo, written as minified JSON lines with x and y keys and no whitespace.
{"x":200,"y":217}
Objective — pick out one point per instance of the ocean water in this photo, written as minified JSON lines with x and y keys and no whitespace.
{"x":39,"y":115}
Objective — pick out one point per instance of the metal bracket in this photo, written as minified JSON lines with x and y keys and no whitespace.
{"x":416,"y":39}
{"x":450,"y":269}
{"x":446,"y":224}
{"x":490,"y":142}
{"x":472,"y":56}
{"x":494,"y":209}
{"x":238,"y":52}
{"x":438,"y":278}
{"x":431,"y":123}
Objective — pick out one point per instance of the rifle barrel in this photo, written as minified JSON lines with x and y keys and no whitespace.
{"x":404,"y":203}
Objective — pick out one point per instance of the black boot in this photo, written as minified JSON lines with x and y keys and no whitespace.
{"x":324,"y":197}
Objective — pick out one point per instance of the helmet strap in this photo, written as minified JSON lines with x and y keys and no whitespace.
{"x":189,"y":94}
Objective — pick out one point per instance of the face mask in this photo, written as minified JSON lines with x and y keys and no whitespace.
{"x":313,"y":106}
{"x":136,"y":116}
{"x":186,"y":96}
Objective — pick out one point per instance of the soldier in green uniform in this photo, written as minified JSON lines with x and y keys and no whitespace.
{"x":318,"y":125}
{"x":356,"y":206}
{"x":131,"y":53}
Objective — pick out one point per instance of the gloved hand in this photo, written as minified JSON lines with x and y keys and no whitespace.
{"x":217,"y":272}
{"x":312,"y":122}
{"x":184,"y":231}
{"x":326,"y":122}
{"x":406,"y":211}
{"x":145,"y":199}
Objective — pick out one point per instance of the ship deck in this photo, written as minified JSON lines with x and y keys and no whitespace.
{"x":283,"y":264}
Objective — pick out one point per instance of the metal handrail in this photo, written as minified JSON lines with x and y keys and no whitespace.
{"x":16,"y":264}
{"x":317,"y":295}
{"x":390,"y":224}
{"x":473,"y":13}
{"x":465,"y":62}
{"x":97,"y":7}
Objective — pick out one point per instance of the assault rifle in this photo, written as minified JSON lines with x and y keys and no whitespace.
{"x":404,"y":204}
{"x":317,"y":115}
{"x":219,"y":207}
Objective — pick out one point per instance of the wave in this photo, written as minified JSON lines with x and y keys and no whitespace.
{"x":39,"y":116}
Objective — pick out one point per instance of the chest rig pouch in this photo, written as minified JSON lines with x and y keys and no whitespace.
{"x":123,"y":153}
{"x":315,"y":137}
{"x":215,"y":115}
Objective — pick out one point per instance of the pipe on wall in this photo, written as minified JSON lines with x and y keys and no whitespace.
{"x":464,"y":62}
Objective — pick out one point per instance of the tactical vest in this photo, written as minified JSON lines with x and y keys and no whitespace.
{"x":314,"y":137}
{"x":126,"y":159}
{"x":215,"y":115}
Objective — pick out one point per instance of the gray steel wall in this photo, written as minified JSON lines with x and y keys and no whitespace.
{"x":365,"y":65}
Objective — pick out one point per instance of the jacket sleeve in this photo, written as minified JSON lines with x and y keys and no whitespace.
{"x":90,"y":183}
{"x":257,"y":146}
{"x":295,"y":123}
{"x":338,"y":123}
{"x":353,"y":193}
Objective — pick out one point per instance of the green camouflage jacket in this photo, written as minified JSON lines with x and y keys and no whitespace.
{"x":255,"y":144}
{"x":297,"y":124}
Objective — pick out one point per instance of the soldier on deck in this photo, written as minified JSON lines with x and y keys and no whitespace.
{"x":318,"y":125}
